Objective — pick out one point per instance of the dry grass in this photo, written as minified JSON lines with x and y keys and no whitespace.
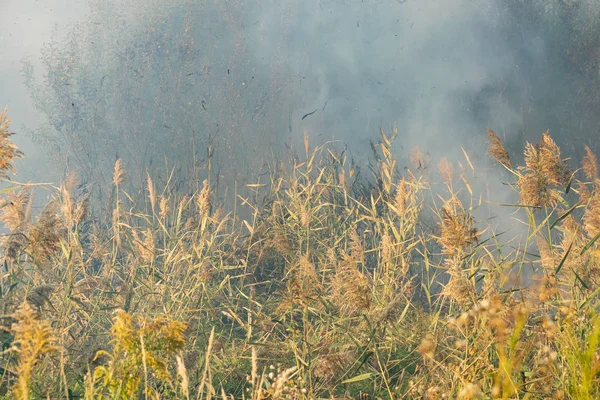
{"x":317,"y":285}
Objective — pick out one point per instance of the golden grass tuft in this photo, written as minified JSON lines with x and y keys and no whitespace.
{"x":458,"y":230}
{"x":535,"y":191}
{"x":142,"y":349}
{"x":350,"y":288}
{"x":544,"y":170}
{"x":33,"y":338}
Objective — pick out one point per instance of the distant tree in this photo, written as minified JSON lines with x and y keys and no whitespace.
{"x":149,"y":81}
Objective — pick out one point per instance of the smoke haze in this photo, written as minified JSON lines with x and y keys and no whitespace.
{"x":256,"y":74}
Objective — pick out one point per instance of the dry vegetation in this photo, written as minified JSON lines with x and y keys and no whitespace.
{"x":331,"y":288}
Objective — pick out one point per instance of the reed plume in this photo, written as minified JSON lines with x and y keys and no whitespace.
{"x":46,"y":233}
{"x":544,"y":170}
{"x":164,"y":207}
{"x":458,"y":230}
{"x":551,"y":164}
{"x":417,"y":159}
{"x":119,"y":173}
{"x":496,"y":149}
{"x":350,"y":288}
{"x":402,"y":199}
{"x":446,"y":170}
{"x":547,"y":255}
{"x":16,"y":211}
{"x":203,"y":199}
{"x":151,"y":194}
{"x":584,"y":192}
{"x":15,"y":215}
{"x":8,"y":150}
{"x":591,"y":217}
{"x":145,"y":248}
{"x":589,"y":164}
{"x":459,"y":287}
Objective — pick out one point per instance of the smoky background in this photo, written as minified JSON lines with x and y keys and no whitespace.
{"x":167,"y":85}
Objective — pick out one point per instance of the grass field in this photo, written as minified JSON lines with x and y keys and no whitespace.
{"x":329,"y":287}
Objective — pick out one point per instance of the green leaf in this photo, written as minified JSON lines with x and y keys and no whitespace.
{"x":513,"y":205}
{"x":565,"y":215}
{"x":9,"y":189}
{"x":359,"y":378}
{"x":581,"y":281}
{"x":568,"y":188}
{"x":590,"y":244}
{"x":562,"y":262}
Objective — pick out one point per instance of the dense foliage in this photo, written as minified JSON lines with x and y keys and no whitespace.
{"x":333,"y":287}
